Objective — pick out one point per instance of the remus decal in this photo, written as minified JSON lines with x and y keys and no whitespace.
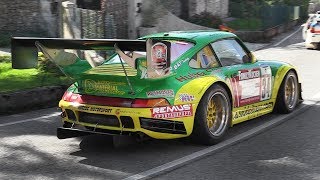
{"x":177,"y":111}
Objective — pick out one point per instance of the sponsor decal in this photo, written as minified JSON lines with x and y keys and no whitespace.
{"x":161,"y":93}
{"x":94,"y":109}
{"x":119,"y":111}
{"x":190,"y":76}
{"x":92,"y":86}
{"x":252,"y":109}
{"x":193,"y":75}
{"x":142,"y":66}
{"x":176,"y":66}
{"x":176,"y":111}
{"x":144,"y":72}
{"x":251,"y":86}
{"x":186,"y":97}
{"x":250,"y":74}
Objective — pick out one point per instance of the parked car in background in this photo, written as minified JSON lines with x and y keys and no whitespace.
{"x":167,"y":85}
{"x":311,"y":31}
{"x":307,"y":25}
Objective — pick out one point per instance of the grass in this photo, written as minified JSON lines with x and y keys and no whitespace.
{"x":245,"y":24}
{"x":15,"y":79}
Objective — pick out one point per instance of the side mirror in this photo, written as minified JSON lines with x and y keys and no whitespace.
{"x":246,"y":59}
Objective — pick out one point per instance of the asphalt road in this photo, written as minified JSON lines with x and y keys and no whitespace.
{"x":270,"y":147}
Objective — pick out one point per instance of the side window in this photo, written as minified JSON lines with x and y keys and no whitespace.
{"x":230,"y":52}
{"x":204,"y":59}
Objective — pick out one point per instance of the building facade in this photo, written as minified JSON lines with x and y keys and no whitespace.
{"x":29,"y":18}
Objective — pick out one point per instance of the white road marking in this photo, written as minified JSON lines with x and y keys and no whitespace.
{"x":220,"y":146}
{"x":284,"y":39}
{"x":32,"y":119}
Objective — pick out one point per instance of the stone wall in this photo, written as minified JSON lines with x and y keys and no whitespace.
{"x":111,"y":21}
{"x":216,"y":7}
{"x":38,"y":98}
{"x":29,"y":18}
{"x":118,"y":11}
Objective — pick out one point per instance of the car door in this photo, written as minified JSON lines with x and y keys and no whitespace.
{"x":251,"y":82}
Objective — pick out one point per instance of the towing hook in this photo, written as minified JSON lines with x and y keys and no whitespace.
{"x":63,"y":114}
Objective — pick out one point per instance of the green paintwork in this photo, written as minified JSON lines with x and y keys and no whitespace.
{"x":109,"y":79}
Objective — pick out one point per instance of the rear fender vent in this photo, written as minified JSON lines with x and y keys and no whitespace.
{"x":71,"y":115}
{"x":127,"y":122}
{"x":100,"y":119}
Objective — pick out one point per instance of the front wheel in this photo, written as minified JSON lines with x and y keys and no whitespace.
{"x":213,"y":116}
{"x":288,"y":94}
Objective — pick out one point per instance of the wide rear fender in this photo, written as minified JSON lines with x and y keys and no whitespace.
{"x":194,"y":90}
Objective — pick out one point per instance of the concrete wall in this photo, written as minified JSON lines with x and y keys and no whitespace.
{"x":216,"y":7}
{"x":31,"y":17}
{"x":162,"y":21}
{"x":134,"y":17}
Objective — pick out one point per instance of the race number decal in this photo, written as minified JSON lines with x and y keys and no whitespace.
{"x":251,"y":86}
{"x":265,"y":83}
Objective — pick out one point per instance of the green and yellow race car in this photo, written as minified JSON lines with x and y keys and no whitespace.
{"x":166,"y":85}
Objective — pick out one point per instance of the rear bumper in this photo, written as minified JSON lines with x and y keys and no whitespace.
{"x":118,"y":120}
{"x":312,"y":38}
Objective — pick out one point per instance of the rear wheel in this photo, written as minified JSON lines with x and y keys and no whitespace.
{"x":288,"y":94}
{"x":213,"y":116}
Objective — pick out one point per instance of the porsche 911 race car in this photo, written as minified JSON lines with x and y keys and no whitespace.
{"x":165,"y":85}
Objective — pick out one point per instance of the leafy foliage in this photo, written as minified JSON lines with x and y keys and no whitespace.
{"x":5,"y":40}
{"x":246,"y":24}
{"x":206,"y":19}
{"x":45,"y":65}
{"x":270,"y":12}
{"x":5,"y":59}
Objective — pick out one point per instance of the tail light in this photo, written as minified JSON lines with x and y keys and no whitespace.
{"x":66,"y":96}
{"x":312,"y":30}
{"x":139,"y":103}
{"x":116,"y":102}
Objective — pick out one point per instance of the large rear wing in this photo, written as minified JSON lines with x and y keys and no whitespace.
{"x":25,"y":52}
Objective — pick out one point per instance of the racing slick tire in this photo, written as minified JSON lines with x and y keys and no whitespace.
{"x":288,"y":95}
{"x":213,"y":116}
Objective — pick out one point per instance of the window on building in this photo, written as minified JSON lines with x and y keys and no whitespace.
{"x":89,"y":4}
